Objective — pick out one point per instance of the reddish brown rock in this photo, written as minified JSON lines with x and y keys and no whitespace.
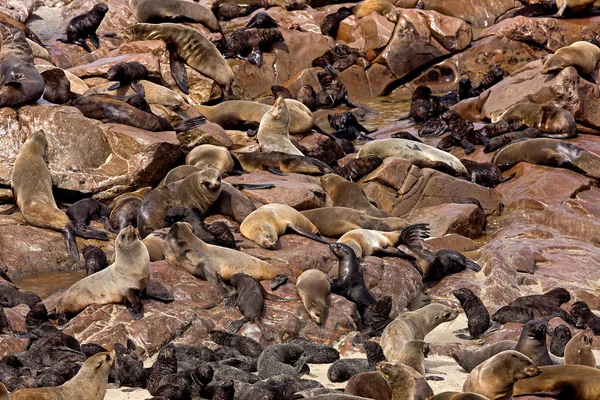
{"x":454,"y":242}
{"x":66,"y":55}
{"x":100,"y":67}
{"x":462,"y":219}
{"x":208,"y":133}
{"x":371,"y":32}
{"x":10,"y":345}
{"x":118,"y":18}
{"x":477,"y":12}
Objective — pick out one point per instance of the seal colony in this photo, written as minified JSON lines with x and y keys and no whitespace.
{"x":256,"y":213}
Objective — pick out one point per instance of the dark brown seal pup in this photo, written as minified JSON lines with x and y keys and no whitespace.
{"x":83,"y":211}
{"x":127,"y":73}
{"x":245,"y":345}
{"x":331,"y":22}
{"x":21,"y":82}
{"x":261,"y":20}
{"x":250,"y":299}
{"x":584,"y":317}
{"x":173,"y":11}
{"x":285,"y":358}
{"x":357,"y":168}
{"x":478,"y":316}
{"x":84,"y":27}
{"x":485,"y":174}
{"x":545,"y":306}
{"x":496,"y":377}
{"x":95,"y":259}
{"x":334,"y":88}
{"x":57,"y":88}
{"x":347,"y":126}
{"x":251,"y":40}
{"x":497,"y":142}
{"x":573,"y":382}
{"x":560,"y":337}
{"x":424,"y":106}
{"x":579,"y":349}
{"x":447,"y":262}
{"x":345,"y":368}
{"x":371,"y":385}
{"x":350,"y":282}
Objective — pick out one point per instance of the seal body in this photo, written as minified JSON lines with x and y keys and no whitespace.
{"x":284,"y":162}
{"x":370,"y":385}
{"x":381,"y":7}
{"x":122,"y":281}
{"x":582,"y":55}
{"x":579,"y":349}
{"x":404,"y":380}
{"x":124,"y":208}
{"x":84,"y":27}
{"x":553,"y":121}
{"x":413,"y":325}
{"x":478,"y":316}
{"x":349,"y":194}
{"x":336,"y":221}
{"x":569,"y":381}
{"x":273,"y":132}
{"x":313,"y":288}
{"x":210,"y":156}
{"x":153,"y":12}
{"x":266,"y":224}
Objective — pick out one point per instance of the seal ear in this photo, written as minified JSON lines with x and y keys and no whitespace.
{"x":99,"y":363}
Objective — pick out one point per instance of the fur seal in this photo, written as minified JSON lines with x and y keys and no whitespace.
{"x":573,"y":6}
{"x":285,"y":358}
{"x":313,"y":288}
{"x":579,"y":349}
{"x":544,"y":306}
{"x":366,"y":242}
{"x":347,"y":126}
{"x":153,"y":93}
{"x":582,"y":55}
{"x":331,"y":23}
{"x":485,"y":174}
{"x":584,"y":317}
{"x":127,"y":73}
{"x":250,"y":299}
{"x":184,"y":250}
{"x":122,"y":281}
{"x":266,"y":224}
{"x":413,"y":354}
{"x":336,"y":221}
{"x":95,"y":259}
{"x":561,"y":335}
{"x":21,"y":82}
{"x":370,"y":385}
{"x":349,"y":194}
{"x":555,"y":122}
{"x":245,"y":345}
{"x":357,"y":168}
{"x":447,"y":262}
{"x":382,"y":7}
{"x":478,"y":317}
{"x":404,"y":380}
{"x":576,"y":382}
{"x":497,"y":142}
{"x":551,"y":152}
{"x":280,"y":163}
{"x":350,"y":282}
{"x":83,"y":211}
{"x":155,"y":244}
{"x":84,"y":27}
{"x":210,"y":156}
{"x":495,"y":377}
{"x":273,"y":131}
{"x":413,"y":325}
{"x":458,"y":396}
{"x":153,"y":12}
{"x":253,"y":41}
{"x":261,"y":20}
{"x":188,"y":45}
{"x":199,"y":190}
{"x":424,"y":106}
{"x":57,"y":87}
{"x":419,"y":154}
{"x":125,"y":208}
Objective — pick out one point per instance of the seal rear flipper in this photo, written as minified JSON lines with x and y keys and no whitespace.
{"x":95,"y":41}
{"x":190,"y":123}
{"x":91,"y":233}
{"x":473,"y":266}
{"x":413,"y":235}
{"x":10,"y":211}
{"x":276,"y":171}
{"x":115,"y":86}
{"x":266,"y":331}
{"x":156,"y":291}
{"x":236,"y":325}
{"x":133,"y":304}
{"x":309,"y":235}
{"x":71,"y":242}
{"x":138,"y":88}
{"x":279,"y":280}
{"x":81,"y":43}
{"x":253,"y":186}
{"x":364,"y":137}
{"x":178,"y":71}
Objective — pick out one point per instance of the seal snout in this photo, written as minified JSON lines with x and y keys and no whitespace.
{"x":532,"y":370}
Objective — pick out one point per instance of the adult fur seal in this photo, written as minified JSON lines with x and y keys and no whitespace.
{"x":579,"y":349}
{"x":89,"y":383}
{"x":366,"y":242}
{"x":273,"y":131}
{"x":404,"y":380}
{"x":350,"y":282}
{"x":153,"y":93}
{"x":419,"y":154}
{"x":555,"y":122}
{"x":335,"y":221}
{"x":279,"y":163}
{"x":313,"y":288}
{"x":582,"y":55}
{"x":551,"y":152}
{"x":199,"y":190}
{"x":122,"y":281}
{"x":381,"y":7}
{"x":31,"y":184}
{"x":369,"y":385}
{"x":413,"y":325}
{"x":495,"y":377}
{"x":124,"y":208}
{"x":349,"y":194}
{"x":210,"y":156}
{"x":84,"y":27}
{"x":573,"y":382}
{"x":267,"y":223}
{"x":188,"y":45}
{"x":154,"y":12}
{"x":21,"y":82}
{"x":211,"y":263}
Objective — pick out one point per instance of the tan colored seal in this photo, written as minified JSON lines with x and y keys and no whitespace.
{"x":211,"y":263}
{"x":405,"y":382}
{"x":495,"y":377}
{"x":579,"y":349}
{"x":582,"y":55}
{"x":553,"y":121}
{"x":153,"y":11}
{"x":369,"y":385}
{"x":349,"y":194}
{"x":77,"y":84}
{"x":336,"y":221}
{"x":38,"y":51}
{"x":155,"y":243}
{"x":413,"y":325}
{"x":577,"y":382}
{"x":90,"y":382}
{"x":153,"y":93}
{"x":273,"y":132}
{"x":266,"y":224}
{"x":366,"y":242}
{"x":210,"y":156}
{"x":381,"y":7}
{"x":122,"y":281}
{"x":573,"y":6}
{"x":413,"y":354}
{"x":278,"y":162}
{"x":458,"y":396}
{"x":124,"y":208}
{"x":313,"y":288}
{"x":4,"y":395}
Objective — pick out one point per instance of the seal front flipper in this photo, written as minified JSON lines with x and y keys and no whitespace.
{"x":69,"y":235}
{"x":156,"y":291}
{"x":138,"y":88}
{"x":253,"y":186}
{"x":309,"y":235}
{"x":190,"y":123}
{"x":133,"y":304}
{"x":274,"y":297}
{"x":91,"y":233}
{"x":279,"y":280}
{"x":266,"y":331}
{"x":115,"y":86}
{"x":276,"y":171}
{"x":178,"y":71}
{"x":95,"y":41}
{"x":413,"y":235}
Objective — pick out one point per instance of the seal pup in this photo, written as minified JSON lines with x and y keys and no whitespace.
{"x":31,"y":184}
{"x":280,"y":163}
{"x":584,"y":317}
{"x":122,"y":281}
{"x":496,"y":377}
{"x":84,"y":27}
{"x":544,"y":306}
{"x":577,"y":382}
{"x":83,"y":211}
{"x":127,"y":73}
{"x":384,"y":8}
{"x":199,"y":190}
{"x":424,"y":106}
{"x":404,"y":380}
{"x":349,"y":194}
{"x":551,"y":152}
{"x":561,"y":335}
{"x":261,"y":20}
{"x":343,"y":369}
{"x":347,"y":126}
{"x":188,"y":45}
{"x":245,"y":345}
{"x":250,"y":299}
{"x":313,"y":287}
{"x":478,"y":317}
{"x":357,"y":168}
{"x":284,"y":358}
{"x":211,"y":263}
{"x":331,"y":23}
{"x":273,"y":131}
{"x":57,"y":87}
{"x":582,"y":55}
{"x":458,"y":396}
{"x":266,"y":224}
{"x":485,"y":174}
{"x":413,"y":325}
{"x":21,"y":82}
{"x":154,"y":12}
{"x":350,"y":282}
{"x":419,"y":154}
{"x":446,"y":262}
{"x":366,"y":242}
{"x":251,"y":41}
{"x":554,"y":122}
{"x":579,"y":349}
{"x":95,"y":259}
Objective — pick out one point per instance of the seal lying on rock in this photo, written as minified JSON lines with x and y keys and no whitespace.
{"x":582,"y":55}
{"x":555,"y":122}
{"x":173,"y":11}
{"x":367,"y":242}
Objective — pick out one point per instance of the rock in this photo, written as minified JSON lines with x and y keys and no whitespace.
{"x":118,"y":18}
{"x":572,"y":220}
{"x":462,"y":219}
{"x":66,"y":55}
{"x":100,"y":67}
{"x":452,"y":241}
{"x":379,"y":78}
{"x":20,"y":10}
{"x":419,"y":38}
{"x":10,"y":345}
{"x":122,"y":155}
{"x":207,"y":133}
{"x":476,"y":12}
{"x":371,"y":32}
{"x":356,"y":81}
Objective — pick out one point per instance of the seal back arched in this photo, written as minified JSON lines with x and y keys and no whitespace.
{"x":153,"y":11}
{"x":273,"y":132}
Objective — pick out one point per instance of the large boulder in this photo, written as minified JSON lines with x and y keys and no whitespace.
{"x":476,"y":12}
{"x":18,"y":9}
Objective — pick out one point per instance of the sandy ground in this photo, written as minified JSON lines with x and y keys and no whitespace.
{"x":45,"y":22}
